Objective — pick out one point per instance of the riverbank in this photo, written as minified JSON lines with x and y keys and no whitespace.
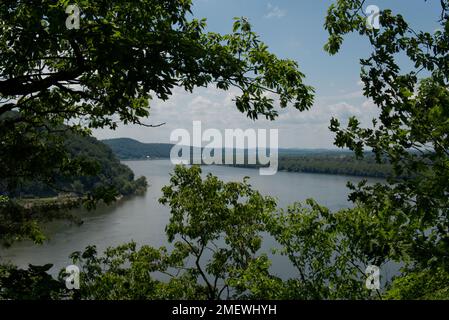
{"x":364,"y":169}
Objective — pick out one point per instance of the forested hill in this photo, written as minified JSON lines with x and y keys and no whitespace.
{"x":332,"y":163}
{"x":111,"y":173}
{"x":130,"y":149}
{"x":338,"y":162}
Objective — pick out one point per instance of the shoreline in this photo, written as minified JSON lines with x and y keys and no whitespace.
{"x":280,"y":170}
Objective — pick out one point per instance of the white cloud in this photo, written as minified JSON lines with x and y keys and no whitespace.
{"x":343,"y":96}
{"x":320,"y":114}
{"x":216,"y":109}
{"x":275,"y":12}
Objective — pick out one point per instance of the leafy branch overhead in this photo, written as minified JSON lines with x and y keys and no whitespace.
{"x":411,"y":132}
{"x":55,"y":80}
{"x":126,"y":52}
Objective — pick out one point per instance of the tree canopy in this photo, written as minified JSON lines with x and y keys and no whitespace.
{"x":125,"y":53}
{"x":106,"y":72}
{"x":411,"y":132}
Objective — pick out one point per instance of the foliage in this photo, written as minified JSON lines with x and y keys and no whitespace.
{"x":291,"y":160}
{"x":28,"y":202}
{"x":130,"y":149}
{"x":127,"y":272}
{"x":320,"y":246}
{"x":122,"y":51}
{"x":105,"y":171}
{"x":411,"y":134}
{"x":330,"y":163}
{"x":107,"y":71}
{"x":420,"y":285}
{"x":217,"y":225}
{"x":31,"y":284}
{"x":216,"y":230}
{"x":223,"y":219}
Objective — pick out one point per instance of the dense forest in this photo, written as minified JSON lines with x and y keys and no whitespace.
{"x":130,"y":149}
{"x":110,"y":172}
{"x":292,"y":160}
{"x":125,"y":54}
{"x":332,"y":163}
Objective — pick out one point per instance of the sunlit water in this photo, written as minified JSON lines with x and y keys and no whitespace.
{"x":143,"y":219}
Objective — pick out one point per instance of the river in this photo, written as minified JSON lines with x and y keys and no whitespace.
{"x":143,"y":219}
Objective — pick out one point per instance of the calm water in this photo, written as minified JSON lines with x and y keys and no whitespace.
{"x":143,"y":219}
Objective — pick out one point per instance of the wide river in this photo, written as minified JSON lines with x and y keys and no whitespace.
{"x":143,"y":219}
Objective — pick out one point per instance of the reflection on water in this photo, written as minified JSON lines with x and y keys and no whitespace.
{"x":143,"y":219}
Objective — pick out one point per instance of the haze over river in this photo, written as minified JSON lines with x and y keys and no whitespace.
{"x":143,"y":219}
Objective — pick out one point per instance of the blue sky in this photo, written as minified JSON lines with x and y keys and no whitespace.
{"x":292,"y":29}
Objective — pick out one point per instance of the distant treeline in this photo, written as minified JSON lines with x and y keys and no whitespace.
{"x":292,"y":160}
{"x":129,"y":149}
{"x":331,"y":163}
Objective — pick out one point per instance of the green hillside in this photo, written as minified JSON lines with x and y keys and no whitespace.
{"x":129,"y":149}
{"x":339,"y":162}
{"x":332,"y":163}
{"x":110,"y":173}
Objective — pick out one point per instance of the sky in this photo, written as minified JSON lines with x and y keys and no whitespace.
{"x":292,"y":29}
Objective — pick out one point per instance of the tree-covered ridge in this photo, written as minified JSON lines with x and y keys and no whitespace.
{"x":79,"y":171}
{"x":290,"y":160}
{"x":107,"y":172}
{"x":329,"y":164}
{"x":332,"y":163}
{"x":130,"y":149}
{"x":107,"y":71}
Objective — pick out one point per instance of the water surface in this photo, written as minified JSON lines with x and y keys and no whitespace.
{"x":143,"y":219}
